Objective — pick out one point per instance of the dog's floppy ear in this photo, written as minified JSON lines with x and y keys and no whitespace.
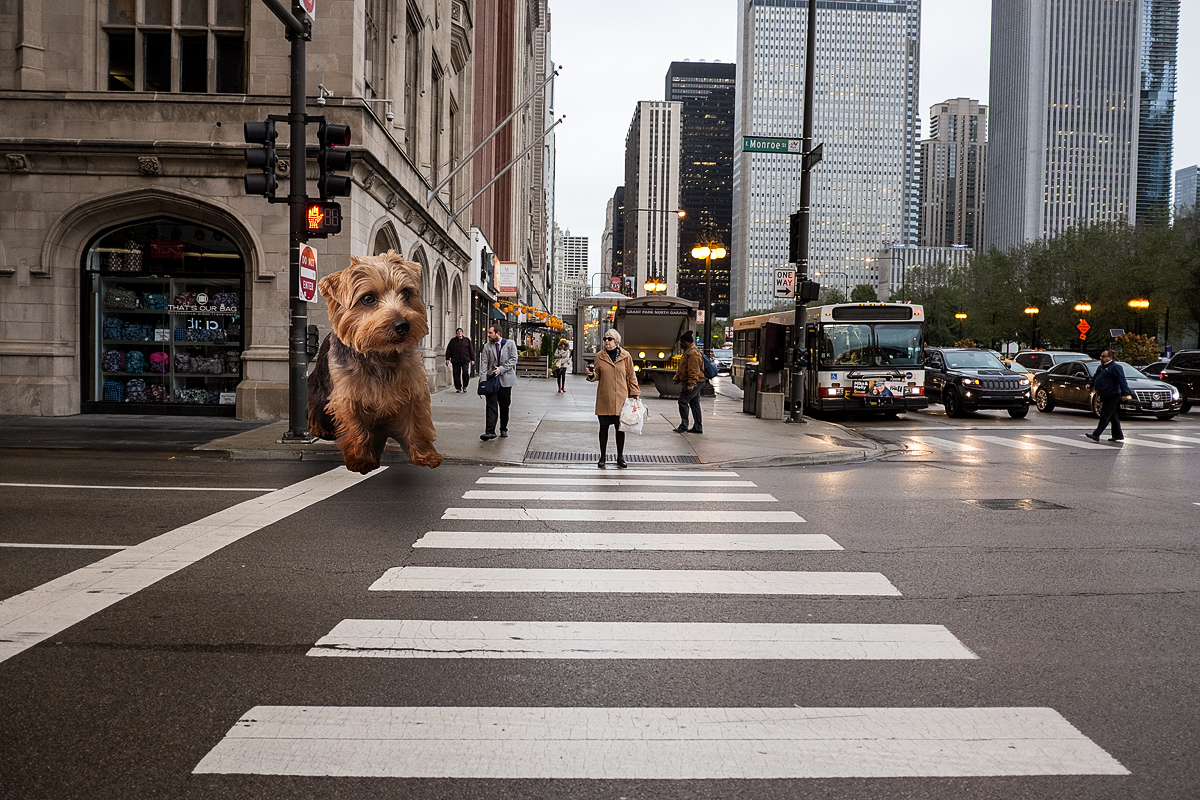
{"x":330,"y":288}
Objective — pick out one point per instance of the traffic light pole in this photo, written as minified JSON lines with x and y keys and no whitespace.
{"x":796,"y":385}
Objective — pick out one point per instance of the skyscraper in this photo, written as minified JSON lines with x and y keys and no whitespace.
{"x":652,"y":194}
{"x":1156,"y":115}
{"x":864,"y":192}
{"x":572,"y":279}
{"x":1081,"y":105}
{"x":953,"y":174}
{"x":1187,"y":190}
{"x":705,"y":92}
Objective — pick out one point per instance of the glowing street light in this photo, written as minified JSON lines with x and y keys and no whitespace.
{"x":708,"y":250}
{"x":1032,"y":311}
{"x":1139,"y":305}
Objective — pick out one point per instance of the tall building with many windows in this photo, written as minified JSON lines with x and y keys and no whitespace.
{"x":1081,"y":106}
{"x":1187,"y":190}
{"x":705,"y":91}
{"x":571,"y":275}
{"x":864,"y":192}
{"x":652,"y":195}
{"x":953,"y":162}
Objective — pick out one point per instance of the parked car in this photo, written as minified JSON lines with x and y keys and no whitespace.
{"x":970,"y":378}
{"x":1042,"y":360}
{"x":1152,"y":370}
{"x":724,"y":359}
{"x":1015,"y":367}
{"x":1066,"y":385}
{"x":1183,"y":372}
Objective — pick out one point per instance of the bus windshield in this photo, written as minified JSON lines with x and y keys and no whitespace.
{"x":869,"y":345}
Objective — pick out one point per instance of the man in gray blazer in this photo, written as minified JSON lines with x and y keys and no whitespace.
{"x":498,"y":358}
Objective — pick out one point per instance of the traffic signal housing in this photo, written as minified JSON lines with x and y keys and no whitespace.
{"x":262,"y":158}
{"x":322,"y":218}
{"x":332,"y":161}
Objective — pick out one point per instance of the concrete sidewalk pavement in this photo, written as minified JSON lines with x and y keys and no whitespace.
{"x":545,"y":426}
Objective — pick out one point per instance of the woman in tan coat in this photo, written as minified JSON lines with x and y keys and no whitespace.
{"x":613,"y":369}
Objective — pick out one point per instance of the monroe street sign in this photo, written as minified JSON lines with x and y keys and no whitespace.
{"x":766,"y":144}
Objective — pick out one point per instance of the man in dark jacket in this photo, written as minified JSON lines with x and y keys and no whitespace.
{"x":460,"y":356}
{"x":690,"y":377}
{"x":1109,"y":382}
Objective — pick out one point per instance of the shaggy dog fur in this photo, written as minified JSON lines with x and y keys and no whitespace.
{"x":369,"y":381}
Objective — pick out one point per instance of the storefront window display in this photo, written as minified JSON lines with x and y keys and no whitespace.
{"x":163,"y":320}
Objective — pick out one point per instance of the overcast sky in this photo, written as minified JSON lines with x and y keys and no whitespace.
{"x":617,"y":53}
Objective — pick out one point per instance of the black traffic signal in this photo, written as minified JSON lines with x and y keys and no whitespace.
{"x":331,"y":160}
{"x":322,"y":218}
{"x":809,"y":290}
{"x":262,"y":158}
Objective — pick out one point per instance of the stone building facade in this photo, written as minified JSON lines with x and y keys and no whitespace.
{"x":128,"y":237}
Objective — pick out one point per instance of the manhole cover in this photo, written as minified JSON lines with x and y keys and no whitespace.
{"x":1015,"y":505}
{"x":551,"y":455}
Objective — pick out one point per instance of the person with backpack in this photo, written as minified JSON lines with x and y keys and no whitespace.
{"x":690,"y":377}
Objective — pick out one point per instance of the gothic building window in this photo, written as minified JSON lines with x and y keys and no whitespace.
{"x":176,"y":46}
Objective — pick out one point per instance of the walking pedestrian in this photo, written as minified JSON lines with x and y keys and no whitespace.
{"x":499,"y":360}
{"x":1109,"y":382}
{"x":562,"y":357}
{"x":690,"y":377}
{"x":460,"y":357}
{"x":613,"y":369}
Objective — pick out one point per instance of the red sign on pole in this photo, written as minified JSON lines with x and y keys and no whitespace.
{"x":308,"y":274}
{"x":614,"y":283}
{"x":310,"y":8}
{"x":1083,"y":328}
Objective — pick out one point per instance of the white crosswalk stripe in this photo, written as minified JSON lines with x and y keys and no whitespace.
{"x":1175,"y":437}
{"x":622,"y":581}
{"x":655,"y":743}
{"x":949,"y":444}
{"x":619,"y":480}
{"x":385,"y":638}
{"x":1017,"y":444}
{"x":623,"y":496}
{"x":1081,"y":442}
{"x":645,"y":515}
{"x":614,"y":743}
{"x":520,"y":540}
{"x":1160,"y":445}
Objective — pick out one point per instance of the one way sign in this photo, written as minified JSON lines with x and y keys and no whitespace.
{"x":785,"y":282}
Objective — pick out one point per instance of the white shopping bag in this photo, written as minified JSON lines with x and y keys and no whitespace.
{"x":633,"y":414}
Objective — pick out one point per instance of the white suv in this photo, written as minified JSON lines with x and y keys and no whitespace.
{"x":1042,"y":360}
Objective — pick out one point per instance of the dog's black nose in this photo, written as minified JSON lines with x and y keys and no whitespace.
{"x":401,"y":328}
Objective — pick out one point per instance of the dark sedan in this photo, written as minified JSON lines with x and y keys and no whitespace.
{"x":1065,"y":385}
{"x":967,"y":379}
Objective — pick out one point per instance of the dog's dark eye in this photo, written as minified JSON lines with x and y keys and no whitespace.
{"x":404,"y":294}
{"x":368,"y":300}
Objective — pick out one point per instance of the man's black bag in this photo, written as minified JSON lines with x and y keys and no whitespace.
{"x":488,"y":386}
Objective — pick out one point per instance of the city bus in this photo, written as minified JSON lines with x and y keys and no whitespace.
{"x":857,"y":356}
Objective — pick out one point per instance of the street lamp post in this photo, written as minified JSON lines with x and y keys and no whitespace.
{"x":962,"y":319}
{"x":712,"y":248}
{"x":845,"y":278}
{"x":654,"y":285}
{"x":1139,"y":306}
{"x":1032,"y":311}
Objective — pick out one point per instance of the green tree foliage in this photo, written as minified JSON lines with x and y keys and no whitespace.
{"x":864,"y":293}
{"x":1137,"y":349}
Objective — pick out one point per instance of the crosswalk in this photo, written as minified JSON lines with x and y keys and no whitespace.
{"x":662,"y":743}
{"x":977,"y":443}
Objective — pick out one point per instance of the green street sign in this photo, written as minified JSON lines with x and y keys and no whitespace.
{"x":767,"y":144}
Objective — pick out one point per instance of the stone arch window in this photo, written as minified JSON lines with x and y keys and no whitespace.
{"x":418,"y":255}
{"x":441,"y":315}
{"x":456,"y":312}
{"x":385,"y":239}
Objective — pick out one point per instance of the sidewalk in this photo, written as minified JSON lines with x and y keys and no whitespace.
{"x":545,"y":427}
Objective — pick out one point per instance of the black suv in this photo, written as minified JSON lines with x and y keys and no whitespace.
{"x":1183,"y":372}
{"x":970,"y":378}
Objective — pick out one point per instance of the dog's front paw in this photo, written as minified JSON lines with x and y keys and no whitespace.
{"x":361,"y":465}
{"x":432,"y":459}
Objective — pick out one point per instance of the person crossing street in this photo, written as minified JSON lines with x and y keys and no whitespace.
{"x":1109,"y":382}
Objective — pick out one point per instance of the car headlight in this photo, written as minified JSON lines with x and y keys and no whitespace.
{"x":970,"y":381}
{"x":1174,"y":393}
{"x":1023,"y":381}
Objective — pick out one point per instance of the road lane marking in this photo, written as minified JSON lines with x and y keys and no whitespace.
{"x":1174,"y":437}
{"x":67,"y":546}
{"x":1017,"y":444}
{"x":622,"y":497}
{"x":1081,"y":442}
{"x":591,"y":468}
{"x":1160,"y":445}
{"x":655,"y":743}
{"x":621,"y":480}
{"x":636,"y":581}
{"x":591,"y":515}
{"x":385,"y":638}
{"x":41,"y":612}
{"x":136,"y":488}
{"x":520,"y":540}
{"x":949,"y":444}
